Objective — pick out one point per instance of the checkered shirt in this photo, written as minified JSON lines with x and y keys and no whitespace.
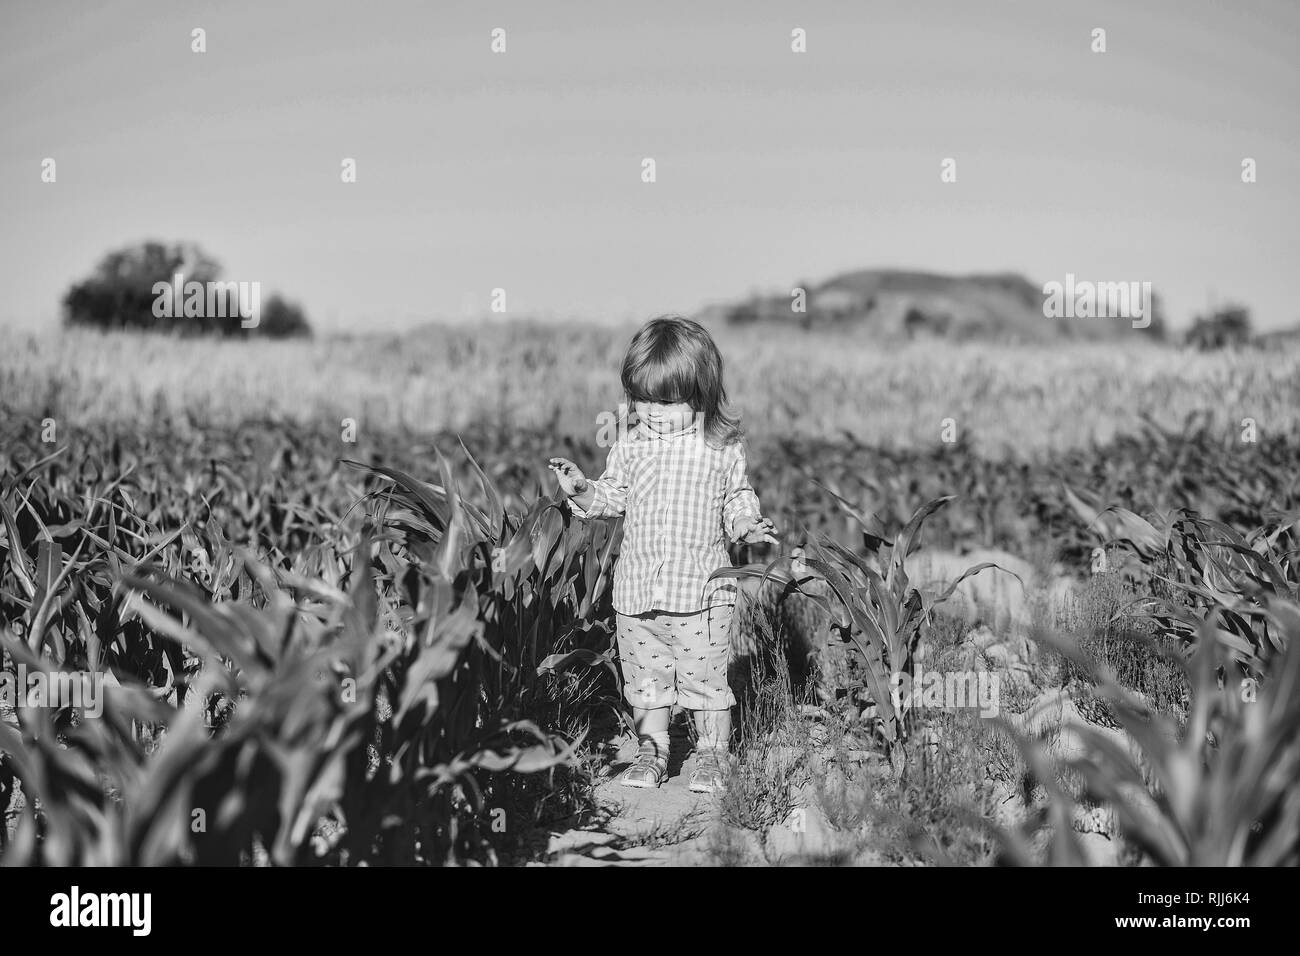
{"x":681,"y":499}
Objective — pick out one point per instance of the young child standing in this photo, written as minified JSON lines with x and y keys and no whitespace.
{"x":679,"y":479}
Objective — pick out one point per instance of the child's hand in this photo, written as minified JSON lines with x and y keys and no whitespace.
{"x":572,"y":480}
{"x":755,"y":530}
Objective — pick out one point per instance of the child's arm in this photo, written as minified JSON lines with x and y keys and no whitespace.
{"x":605,"y":497}
{"x":742,"y":518}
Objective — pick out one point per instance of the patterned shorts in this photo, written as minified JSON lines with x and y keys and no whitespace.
{"x":676,"y":659}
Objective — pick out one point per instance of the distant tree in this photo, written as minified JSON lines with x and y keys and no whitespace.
{"x":282,"y":319}
{"x":1157,"y":328}
{"x":120,"y":294}
{"x":1228,"y":327}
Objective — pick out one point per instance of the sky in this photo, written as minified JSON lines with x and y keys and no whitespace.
{"x":522,"y":170}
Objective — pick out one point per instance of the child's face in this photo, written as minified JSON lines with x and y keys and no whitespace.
{"x":664,"y":416}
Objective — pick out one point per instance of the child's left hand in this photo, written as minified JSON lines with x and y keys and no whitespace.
{"x":755,"y":531}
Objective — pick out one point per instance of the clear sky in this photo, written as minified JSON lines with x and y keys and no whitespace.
{"x":522,"y":170}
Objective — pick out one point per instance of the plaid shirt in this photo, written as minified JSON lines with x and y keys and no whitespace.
{"x":681,"y":499}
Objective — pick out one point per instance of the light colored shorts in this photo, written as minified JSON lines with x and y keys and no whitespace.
{"x":678,"y":659}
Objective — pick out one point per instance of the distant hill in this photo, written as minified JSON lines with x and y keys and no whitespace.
{"x":899,"y":304}
{"x":1278,"y":338}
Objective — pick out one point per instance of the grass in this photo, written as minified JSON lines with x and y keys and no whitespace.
{"x":1019,"y":400}
{"x":1110,"y":634}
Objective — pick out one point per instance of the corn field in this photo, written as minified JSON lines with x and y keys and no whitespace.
{"x":399,"y":650}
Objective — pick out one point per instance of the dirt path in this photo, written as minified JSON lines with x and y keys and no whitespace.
{"x":645,"y":827}
{"x":671,"y":826}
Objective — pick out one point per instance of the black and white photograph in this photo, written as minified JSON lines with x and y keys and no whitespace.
{"x":684,"y":435}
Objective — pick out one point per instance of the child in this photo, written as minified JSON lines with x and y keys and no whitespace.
{"x":679,"y":479}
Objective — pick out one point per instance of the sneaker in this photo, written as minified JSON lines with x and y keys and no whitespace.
{"x":647,"y":771}
{"x":707,"y":775}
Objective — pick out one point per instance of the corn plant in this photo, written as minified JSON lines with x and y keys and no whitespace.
{"x":1223,"y":791}
{"x":343,"y":665}
{"x":1209,"y":571}
{"x":879,"y":612}
{"x":366,"y":701}
{"x":1222,"y":575}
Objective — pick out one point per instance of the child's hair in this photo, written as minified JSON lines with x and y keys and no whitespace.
{"x":673,"y":359}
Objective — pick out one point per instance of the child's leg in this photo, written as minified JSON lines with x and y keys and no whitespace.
{"x":651,"y":723}
{"x":703,"y":653}
{"x":713,"y":729}
{"x":649,"y":684}
{"x":702,"y":688}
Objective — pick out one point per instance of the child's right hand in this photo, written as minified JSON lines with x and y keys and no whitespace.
{"x":572,"y":480}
